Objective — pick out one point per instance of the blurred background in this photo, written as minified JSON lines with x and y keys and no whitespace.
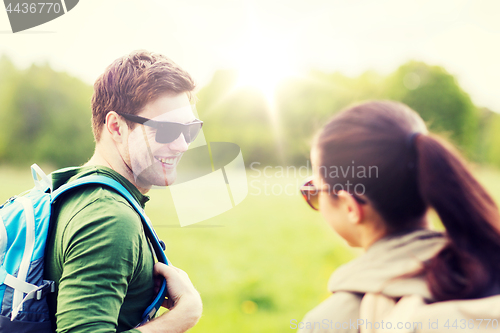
{"x":270,"y":74}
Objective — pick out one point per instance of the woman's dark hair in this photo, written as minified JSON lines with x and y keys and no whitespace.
{"x":403,"y":174}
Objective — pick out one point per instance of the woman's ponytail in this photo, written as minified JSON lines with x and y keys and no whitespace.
{"x":469,"y":265}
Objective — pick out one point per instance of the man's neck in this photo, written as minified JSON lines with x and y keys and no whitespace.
{"x":118,"y":166}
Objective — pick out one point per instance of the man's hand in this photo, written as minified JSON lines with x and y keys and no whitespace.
{"x":179,"y":286}
{"x":183,"y":301}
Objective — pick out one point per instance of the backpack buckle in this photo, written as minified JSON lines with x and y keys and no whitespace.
{"x":9,"y":200}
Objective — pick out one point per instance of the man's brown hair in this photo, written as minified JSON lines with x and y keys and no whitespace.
{"x":134,"y":80}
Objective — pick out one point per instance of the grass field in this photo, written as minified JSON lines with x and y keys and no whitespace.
{"x":258,"y":266}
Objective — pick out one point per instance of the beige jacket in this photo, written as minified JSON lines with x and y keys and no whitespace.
{"x":387,"y":258}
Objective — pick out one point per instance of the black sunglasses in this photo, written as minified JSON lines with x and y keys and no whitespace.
{"x":167,"y":131}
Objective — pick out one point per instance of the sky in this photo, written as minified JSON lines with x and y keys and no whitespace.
{"x":269,"y":40}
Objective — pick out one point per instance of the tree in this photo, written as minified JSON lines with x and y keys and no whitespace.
{"x":437,"y":97}
{"x":44,"y":117}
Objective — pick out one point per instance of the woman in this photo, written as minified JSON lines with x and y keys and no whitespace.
{"x":376,"y":172}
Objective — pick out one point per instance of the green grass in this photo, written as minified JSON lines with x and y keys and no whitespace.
{"x":257,"y":266}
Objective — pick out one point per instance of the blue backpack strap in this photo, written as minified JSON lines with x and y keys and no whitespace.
{"x":148,"y":229}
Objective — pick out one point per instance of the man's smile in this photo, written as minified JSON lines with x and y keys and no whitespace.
{"x":168,"y":161}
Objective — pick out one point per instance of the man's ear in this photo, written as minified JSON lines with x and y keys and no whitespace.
{"x":115,"y":126}
{"x":354,"y":211}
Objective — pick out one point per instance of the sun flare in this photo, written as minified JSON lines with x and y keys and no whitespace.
{"x":262,"y":63}
{"x":263,"y":59}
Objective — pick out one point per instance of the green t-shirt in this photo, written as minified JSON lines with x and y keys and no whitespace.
{"x":99,"y":257}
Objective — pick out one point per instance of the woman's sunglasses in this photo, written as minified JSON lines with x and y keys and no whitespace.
{"x":167,"y":131}
{"x":311,"y":194}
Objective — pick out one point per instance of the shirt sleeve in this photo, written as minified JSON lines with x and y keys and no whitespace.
{"x":339,"y":313}
{"x":100,"y":249}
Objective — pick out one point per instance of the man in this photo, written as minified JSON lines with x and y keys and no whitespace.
{"x":97,"y":252}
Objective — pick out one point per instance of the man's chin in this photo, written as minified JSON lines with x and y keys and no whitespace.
{"x":148,"y":178}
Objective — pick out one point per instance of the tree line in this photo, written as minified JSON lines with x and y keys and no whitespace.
{"x":45,"y":114}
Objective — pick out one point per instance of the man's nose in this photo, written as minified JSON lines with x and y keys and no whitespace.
{"x":179,"y":144}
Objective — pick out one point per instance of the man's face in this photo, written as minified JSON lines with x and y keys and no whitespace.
{"x":154,"y":163}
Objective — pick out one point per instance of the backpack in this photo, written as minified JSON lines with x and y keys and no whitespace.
{"x":24,"y":226}
{"x":379,"y":313}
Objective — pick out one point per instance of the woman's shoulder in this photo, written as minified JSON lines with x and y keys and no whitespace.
{"x":387,"y":260}
{"x":338,"y":313}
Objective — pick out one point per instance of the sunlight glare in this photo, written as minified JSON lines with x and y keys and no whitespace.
{"x":263,"y":63}
{"x":264,"y":59}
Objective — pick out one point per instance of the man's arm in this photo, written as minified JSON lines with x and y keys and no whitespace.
{"x":103,"y":262}
{"x":183,"y":301}
{"x":101,"y":246}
